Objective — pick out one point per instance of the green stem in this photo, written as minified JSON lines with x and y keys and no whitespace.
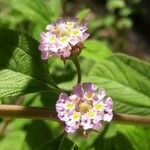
{"x":77,"y":65}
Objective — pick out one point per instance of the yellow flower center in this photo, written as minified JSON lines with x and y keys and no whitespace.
{"x":91,"y":114}
{"x":52,"y":39}
{"x":69,"y":105}
{"x":89,"y":96}
{"x":63,"y":40}
{"x":70,"y":24}
{"x":99,"y":106}
{"x":84,"y":107}
{"x":76,"y":116}
{"x":75,"y":32}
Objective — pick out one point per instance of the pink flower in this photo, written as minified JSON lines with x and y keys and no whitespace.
{"x":63,"y":39}
{"x":87,"y":108}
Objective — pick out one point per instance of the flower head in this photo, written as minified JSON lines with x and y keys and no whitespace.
{"x":86,"y":108}
{"x":63,"y":39}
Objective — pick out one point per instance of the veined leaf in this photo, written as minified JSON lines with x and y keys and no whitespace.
{"x":96,"y":50}
{"x":60,"y":143}
{"x":127,"y":81}
{"x":123,"y":137}
{"x":21,"y":68}
{"x":36,"y":10}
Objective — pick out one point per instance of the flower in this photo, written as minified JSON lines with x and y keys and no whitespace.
{"x":63,"y":39}
{"x":87,"y":108}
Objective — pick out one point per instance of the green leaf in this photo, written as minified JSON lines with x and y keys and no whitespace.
{"x":28,"y":134}
{"x":33,"y":16}
{"x":60,"y":72}
{"x":37,"y":133}
{"x":123,"y":137}
{"x":117,"y":4}
{"x":60,"y":143}
{"x":95,"y":50}
{"x":21,"y":68}
{"x":13,"y":140}
{"x":36,"y":10}
{"x":56,"y":7}
{"x":39,"y":12}
{"x":82,"y":14}
{"x":89,"y":56}
{"x":124,"y":23}
{"x":82,"y":142}
{"x":127,"y":81}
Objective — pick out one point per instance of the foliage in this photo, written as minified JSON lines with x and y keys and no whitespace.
{"x":22,"y":72}
{"x":21,"y":69}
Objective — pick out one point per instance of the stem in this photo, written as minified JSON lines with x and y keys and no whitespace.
{"x":55,"y":89}
{"x":7,"y":121}
{"x":77,"y":65}
{"x":13,"y":111}
{"x":131,"y":118}
{"x":4,"y":126}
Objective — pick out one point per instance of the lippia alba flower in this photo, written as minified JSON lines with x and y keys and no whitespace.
{"x":87,"y":108}
{"x":63,"y":39}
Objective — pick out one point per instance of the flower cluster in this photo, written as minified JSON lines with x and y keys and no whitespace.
{"x":63,"y":39}
{"x":86,"y":108}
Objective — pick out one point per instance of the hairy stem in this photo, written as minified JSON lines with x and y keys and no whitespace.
{"x":14,"y":111}
{"x":77,"y":65}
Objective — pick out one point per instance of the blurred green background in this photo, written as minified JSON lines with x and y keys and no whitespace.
{"x":123,"y":24}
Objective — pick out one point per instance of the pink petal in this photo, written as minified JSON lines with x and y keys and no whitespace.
{"x":44,"y":55}
{"x":89,"y":87}
{"x":78,"y":90}
{"x":70,"y":129}
{"x":108,"y":117}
